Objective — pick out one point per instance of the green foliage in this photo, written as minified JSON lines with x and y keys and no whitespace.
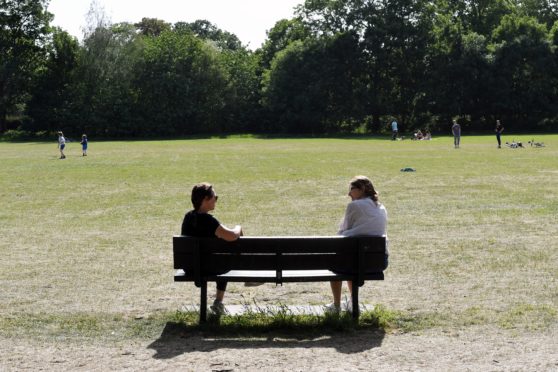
{"x":241,"y":111}
{"x":179,"y":85}
{"x":152,"y":26}
{"x":205,"y":30}
{"x":338,"y":66}
{"x":23,"y":30}
{"x":16,"y":135}
{"x":310,"y":86}
{"x":283,"y":33}
{"x":52,"y":94}
{"x":524,"y":71}
{"x":545,"y":11}
{"x":102,"y":93}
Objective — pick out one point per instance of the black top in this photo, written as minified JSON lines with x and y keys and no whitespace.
{"x":201,"y":225}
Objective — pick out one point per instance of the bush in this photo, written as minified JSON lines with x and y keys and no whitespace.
{"x":16,"y":135}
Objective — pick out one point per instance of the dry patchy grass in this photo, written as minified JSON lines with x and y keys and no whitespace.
{"x":88,"y":240}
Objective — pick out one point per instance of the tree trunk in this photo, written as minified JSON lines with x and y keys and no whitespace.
{"x":3,"y":121}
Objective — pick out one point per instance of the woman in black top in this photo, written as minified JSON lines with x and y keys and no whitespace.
{"x":198,"y":222}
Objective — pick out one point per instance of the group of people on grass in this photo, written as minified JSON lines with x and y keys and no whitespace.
{"x":455,"y":129}
{"x":364,"y":216}
{"x":419,"y":136}
{"x":62,"y":144}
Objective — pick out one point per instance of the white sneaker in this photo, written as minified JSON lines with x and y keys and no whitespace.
{"x":332,"y":309}
{"x":218,"y":308}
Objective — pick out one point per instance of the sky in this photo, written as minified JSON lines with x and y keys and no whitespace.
{"x":247,"y":19}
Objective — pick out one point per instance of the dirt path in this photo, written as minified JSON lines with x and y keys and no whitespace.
{"x":487,"y":349}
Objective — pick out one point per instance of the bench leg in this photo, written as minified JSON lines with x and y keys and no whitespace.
{"x":356,"y":308}
{"x":203,"y":302}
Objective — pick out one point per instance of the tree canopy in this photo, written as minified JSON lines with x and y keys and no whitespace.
{"x":337,"y":66}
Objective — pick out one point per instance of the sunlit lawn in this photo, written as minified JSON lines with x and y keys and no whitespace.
{"x":472,"y":231}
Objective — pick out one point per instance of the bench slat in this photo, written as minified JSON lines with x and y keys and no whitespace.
{"x":287,"y":276}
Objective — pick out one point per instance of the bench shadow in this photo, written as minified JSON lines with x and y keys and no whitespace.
{"x":177,"y":339}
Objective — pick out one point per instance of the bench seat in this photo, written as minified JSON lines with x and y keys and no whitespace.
{"x":268,"y":276}
{"x":278,"y":259}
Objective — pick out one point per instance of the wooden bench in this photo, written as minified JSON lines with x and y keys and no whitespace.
{"x":278,"y":259}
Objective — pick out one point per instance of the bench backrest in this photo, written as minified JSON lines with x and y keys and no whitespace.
{"x":336,"y":253}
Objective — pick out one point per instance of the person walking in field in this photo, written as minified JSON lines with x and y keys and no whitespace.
{"x":61,"y":144}
{"x":394,"y":130}
{"x":84,"y":144}
{"x":499,"y":129}
{"x":456,"y":130}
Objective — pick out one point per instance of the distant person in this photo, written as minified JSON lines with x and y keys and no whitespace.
{"x":364,"y":216}
{"x":418,"y":135}
{"x":394,"y":130}
{"x":499,"y":129}
{"x":427,"y":136}
{"x":84,"y":145}
{"x":198,"y":222}
{"x":61,"y":144}
{"x":456,"y":130}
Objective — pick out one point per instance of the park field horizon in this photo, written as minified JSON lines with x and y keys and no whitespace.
{"x":87,"y":241}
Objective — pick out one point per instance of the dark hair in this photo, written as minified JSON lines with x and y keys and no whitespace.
{"x":200,"y":192}
{"x":363,"y":183}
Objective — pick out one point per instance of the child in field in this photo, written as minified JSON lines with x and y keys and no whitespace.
{"x":84,"y":144}
{"x":61,"y":144}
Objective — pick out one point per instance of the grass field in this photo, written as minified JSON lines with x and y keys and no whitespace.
{"x":86,"y":241}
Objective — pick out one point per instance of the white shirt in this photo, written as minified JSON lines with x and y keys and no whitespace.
{"x":394,"y":125}
{"x":61,"y":140}
{"x":364,"y":217}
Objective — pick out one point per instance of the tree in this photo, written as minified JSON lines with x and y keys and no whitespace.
{"x":205,"y":30}
{"x":311,"y":86}
{"x":49,"y":106}
{"x":479,"y":16}
{"x":179,"y":84}
{"x":459,"y":77}
{"x":241,"y":111}
{"x":103,"y":101}
{"x":23,"y":30}
{"x":545,"y":11}
{"x":283,"y":33}
{"x":393,"y":38}
{"x":152,"y":26}
{"x":524,"y":66}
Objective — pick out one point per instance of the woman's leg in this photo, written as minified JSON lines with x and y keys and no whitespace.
{"x":221,"y":289}
{"x":336,"y":290}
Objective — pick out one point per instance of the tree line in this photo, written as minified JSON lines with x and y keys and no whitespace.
{"x":337,"y":66}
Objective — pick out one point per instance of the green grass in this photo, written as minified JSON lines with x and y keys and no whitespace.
{"x":87,"y":240}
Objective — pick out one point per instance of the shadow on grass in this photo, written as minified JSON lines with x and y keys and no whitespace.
{"x":177,"y":340}
{"x":234,"y":332}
